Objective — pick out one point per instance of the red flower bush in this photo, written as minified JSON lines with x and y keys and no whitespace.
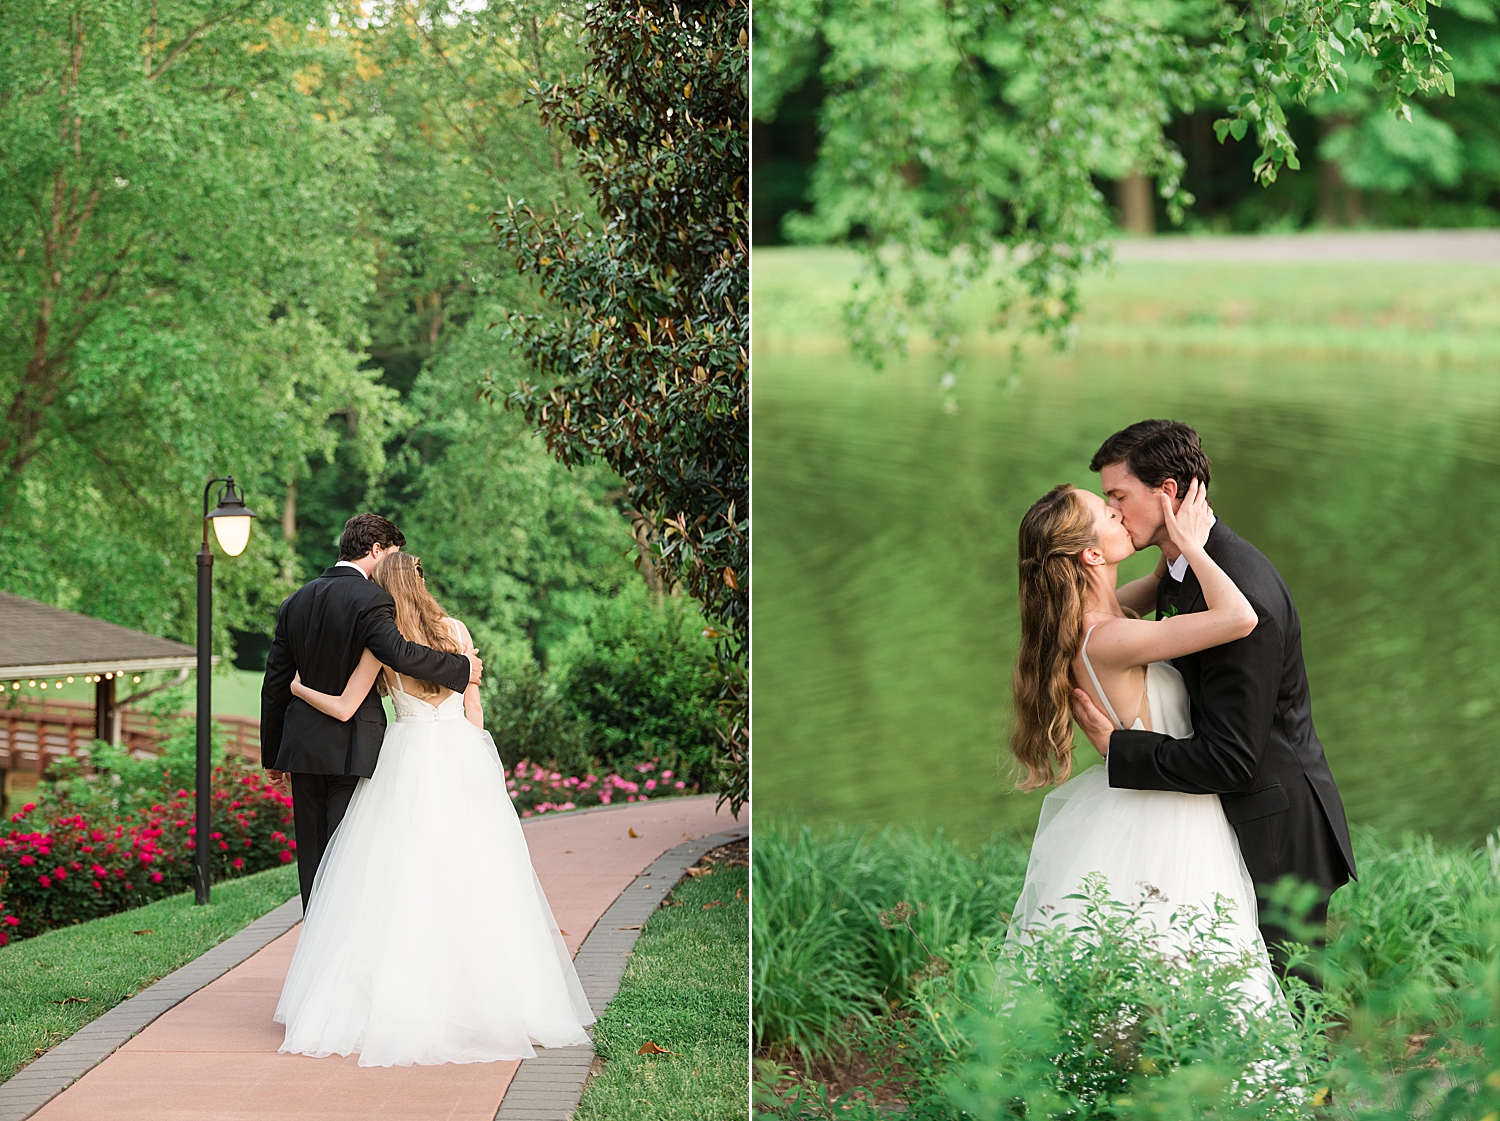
{"x":536,"y":789}
{"x":81,"y":854}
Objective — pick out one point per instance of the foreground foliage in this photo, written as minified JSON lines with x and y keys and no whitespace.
{"x":684,"y":990}
{"x":55,"y":983}
{"x":643,"y":356}
{"x":1102,"y":1024}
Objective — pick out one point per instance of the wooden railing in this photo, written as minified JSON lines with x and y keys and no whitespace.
{"x":33,"y":735}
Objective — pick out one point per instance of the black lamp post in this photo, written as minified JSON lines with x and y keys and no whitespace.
{"x":232,"y":528}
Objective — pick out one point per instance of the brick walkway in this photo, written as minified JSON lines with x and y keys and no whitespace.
{"x":214,"y":1055}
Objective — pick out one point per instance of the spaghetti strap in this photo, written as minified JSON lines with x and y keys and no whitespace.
{"x":1083,"y":652}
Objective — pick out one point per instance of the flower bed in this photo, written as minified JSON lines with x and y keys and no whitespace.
{"x":75,"y":857}
{"x":536,"y":789}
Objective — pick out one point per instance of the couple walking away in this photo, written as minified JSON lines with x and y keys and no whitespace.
{"x":426,"y":936}
{"x":1214,"y":782}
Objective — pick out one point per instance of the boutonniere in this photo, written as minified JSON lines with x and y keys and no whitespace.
{"x":1168,"y":613}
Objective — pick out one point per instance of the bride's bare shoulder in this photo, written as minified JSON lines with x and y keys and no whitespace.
{"x":460,"y":631}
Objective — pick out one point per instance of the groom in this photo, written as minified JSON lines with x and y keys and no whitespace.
{"x":1253,"y":742}
{"x":322,"y":631}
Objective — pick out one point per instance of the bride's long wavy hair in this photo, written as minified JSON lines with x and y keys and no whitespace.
{"x":419,"y":617}
{"x":1054,"y":597}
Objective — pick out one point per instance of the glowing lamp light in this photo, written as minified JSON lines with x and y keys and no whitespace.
{"x":231,"y":520}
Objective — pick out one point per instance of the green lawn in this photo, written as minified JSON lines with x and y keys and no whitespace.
{"x":95,"y":965}
{"x":236,"y":692}
{"x":686,"y":989}
{"x":1423,"y":313}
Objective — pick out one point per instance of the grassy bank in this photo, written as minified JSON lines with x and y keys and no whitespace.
{"x":684,"y":991}
{"x":892,"y":942}
{"x":53,"y":984}
{"x":1425,"y":313}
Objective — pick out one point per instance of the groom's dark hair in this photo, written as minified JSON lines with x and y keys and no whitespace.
{"x":363,"y":532}
{"x":1155,"y":451}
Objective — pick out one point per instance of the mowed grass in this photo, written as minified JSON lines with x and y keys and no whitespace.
{"x":686,"y":989}
{"x":1426,"y":314}
{"x":55,"y":983}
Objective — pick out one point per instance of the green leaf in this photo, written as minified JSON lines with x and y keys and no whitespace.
{"x":1238,"y":128}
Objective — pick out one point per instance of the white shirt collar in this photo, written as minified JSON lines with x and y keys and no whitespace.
{"x":1177,"y":569}
{"x":351,"y":564}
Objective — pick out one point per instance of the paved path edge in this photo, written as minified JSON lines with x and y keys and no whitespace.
{"x":37,"y":1083}
{"x":548,"y":1087}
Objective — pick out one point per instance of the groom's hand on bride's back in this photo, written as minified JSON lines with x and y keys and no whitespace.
{"x":1094,"y":723}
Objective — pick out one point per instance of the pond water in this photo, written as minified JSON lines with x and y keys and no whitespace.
{"x":884,"y":601}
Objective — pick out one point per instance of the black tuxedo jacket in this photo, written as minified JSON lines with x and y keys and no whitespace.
{"x":1253,"y":741}
{"x":322,"y":631}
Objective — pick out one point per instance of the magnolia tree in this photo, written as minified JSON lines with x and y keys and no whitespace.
{"x":953,"y":130}
{"x":642,"y":361}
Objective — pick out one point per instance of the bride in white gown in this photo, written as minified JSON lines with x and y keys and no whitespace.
{"x":428,"y":938}
{"x":1077,"y":630}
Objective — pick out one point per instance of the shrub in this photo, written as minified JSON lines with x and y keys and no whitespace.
{"x":537,"y":789}
{"x":642,"y":678}
{"x":1102,"y":1023}
{"x":124,"y":835}
{"x":530,"y":718}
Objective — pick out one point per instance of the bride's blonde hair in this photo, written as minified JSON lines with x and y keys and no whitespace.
{"x":419,"y":617}
{"x":1053,"y":599}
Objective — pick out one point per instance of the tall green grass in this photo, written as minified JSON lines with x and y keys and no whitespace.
{"x":881,"y":940}
{"x":824,"y":958}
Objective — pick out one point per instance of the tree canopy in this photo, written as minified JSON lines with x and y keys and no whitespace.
{"x":953,"y":131}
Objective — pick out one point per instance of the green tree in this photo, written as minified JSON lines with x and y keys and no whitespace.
{"x":642,"y":354}
{"x":181,"y":291}
{"x":1438,"y":164}
{"x":952,"y":131}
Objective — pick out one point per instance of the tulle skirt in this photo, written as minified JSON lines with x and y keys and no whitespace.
{"x":1157,"y":848}
{"x":428,"y":938}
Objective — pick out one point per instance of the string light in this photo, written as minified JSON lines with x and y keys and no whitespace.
{"x":31,"y":684}
{"x":136,"y":678}
{"x":109,"y":677}
{"x":44,"y":685}
{"x":70,"y":681}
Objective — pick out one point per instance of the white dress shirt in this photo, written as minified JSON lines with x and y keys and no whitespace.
{"x":1177,"y":569}
{"x":351,"y":564}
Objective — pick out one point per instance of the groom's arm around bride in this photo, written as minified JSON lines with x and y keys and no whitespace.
{"x":322,"y":632}
{"x":1253,"y":740}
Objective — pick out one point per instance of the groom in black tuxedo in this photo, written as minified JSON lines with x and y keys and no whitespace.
{"x":322,"y":631}
{"x":1253,"y":741}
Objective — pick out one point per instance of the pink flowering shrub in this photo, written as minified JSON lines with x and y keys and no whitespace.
{"x":80,"y":853}
{"x":536,"y":789}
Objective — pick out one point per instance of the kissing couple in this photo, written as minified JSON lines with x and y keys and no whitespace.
{"x":426,"y":936}
{"x":1214,"y":781}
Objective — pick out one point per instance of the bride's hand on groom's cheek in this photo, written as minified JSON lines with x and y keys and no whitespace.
{"x":1096,"y":726}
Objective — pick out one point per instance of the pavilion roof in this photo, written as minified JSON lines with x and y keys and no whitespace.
{"x":41,"y":641}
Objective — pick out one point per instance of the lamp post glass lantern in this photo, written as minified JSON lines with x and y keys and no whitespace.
{"x":232,"y":527}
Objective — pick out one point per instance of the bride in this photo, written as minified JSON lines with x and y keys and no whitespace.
{"x":1077,"y":629}
{"x":428,"y":938}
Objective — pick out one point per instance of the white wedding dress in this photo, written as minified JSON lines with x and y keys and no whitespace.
{"x":1179,"y":844}
{"x":428,"y":938}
